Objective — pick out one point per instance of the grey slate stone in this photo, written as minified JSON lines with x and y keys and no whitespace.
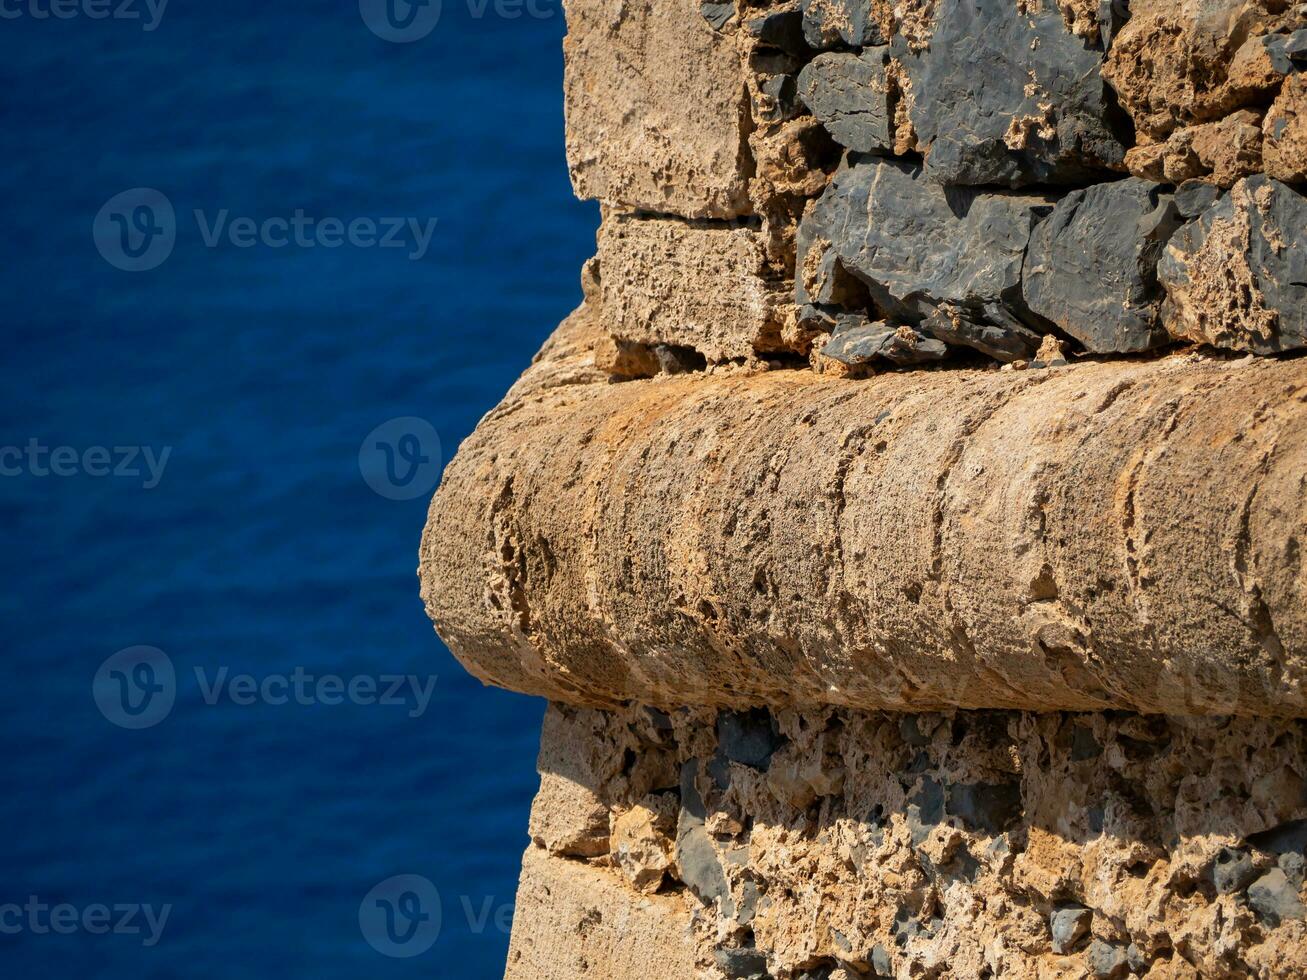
{"x":1092,"y":265}
{"x":849,"y":95}
{"x":1270,"y":275}
{"x":1193,"y":197}
{"x":750,"y":738}
{"x":695,"y":855}
{"x":780,"y":29}
{"x":1275,"y":898}
{"x":741,"y":964}
{"x":1288,"y":51}
{"x":1000,"y":334}
{"x":1068,"y":924}
{"x":992,"y":807}
{"x":717,"y":14}
{"x":830,"y":23}
{"x":858,"y":341}
{"x":919,"y":248}
{"x":1107,"y":962}
{"x":992,"y":73}
{"x":925,"y":808}
{"x":1232,"y":871}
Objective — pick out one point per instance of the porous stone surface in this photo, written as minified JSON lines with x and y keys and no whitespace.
{"x":907,"y":526}
{"x":699,"y":285}
{"x":955,"y":844}
{"x":656,"y":113}
{"x":1119,"y":535}
{"x":723,"y":112}
{"x":1236,"y":276}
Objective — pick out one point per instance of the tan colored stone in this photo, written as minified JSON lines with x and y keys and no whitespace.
{"x":698,"y":285}
{"x":1106,"y":535}
{"x":656,"y":109}
{"x":1285,"y":131}
{"x":572,"y":920}
{"x":1177,"y":63}
{"x":949,"y":847}
{"x":1224,"y":151}
{"x":642,"y":842}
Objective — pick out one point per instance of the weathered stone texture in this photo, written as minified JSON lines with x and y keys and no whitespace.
{"x":1092,"y":265}
{"x":571,"y":920}
{"x":1004,"y":93}
{"x":699,"y":285}
{"x":656,"y":113}
{"x":850,"y":95}
{"x":957,"y":844}
{"x":919,"y":247}
{"x":1237,"y":276}
{"x":1104,"y":535}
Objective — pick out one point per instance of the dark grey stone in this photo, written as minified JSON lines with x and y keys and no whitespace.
{"x":695,"y":855}
{"x":750,"y":738}
{"x":919,"y":248}
{"x":858,"y":340}
{"x":1288,"y":51}
{"x":1193,"y":197}
{"x":992,"y":807}
{"x":741,"y":964}
{"x":925,"y":808}
{"x":717,"y":14}
{"x":849,"y":95}
{"x":1107,"y":962}
{"x":780,"y":29}
{"x":993,"y":72}
{"x":1068,"y":924}
{"x":910,"y":732}
{"x":1092,"y":265}
{"x":831,"y":23}
{"x":1232,"y":871}
{"x":1276,"y":267}
{"x":1275,"y":898}
{"x":1083,"y":745}
{"x":1000,"y":335}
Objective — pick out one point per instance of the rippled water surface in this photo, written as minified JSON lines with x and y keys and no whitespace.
{"x":261,"y":549}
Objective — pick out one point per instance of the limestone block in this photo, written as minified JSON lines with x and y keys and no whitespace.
{"x":656,"y":109}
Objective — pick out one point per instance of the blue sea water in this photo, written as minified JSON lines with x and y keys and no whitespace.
{"x":261,"y":549}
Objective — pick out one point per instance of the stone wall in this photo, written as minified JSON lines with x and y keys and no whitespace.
{"x":907,"y":528}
